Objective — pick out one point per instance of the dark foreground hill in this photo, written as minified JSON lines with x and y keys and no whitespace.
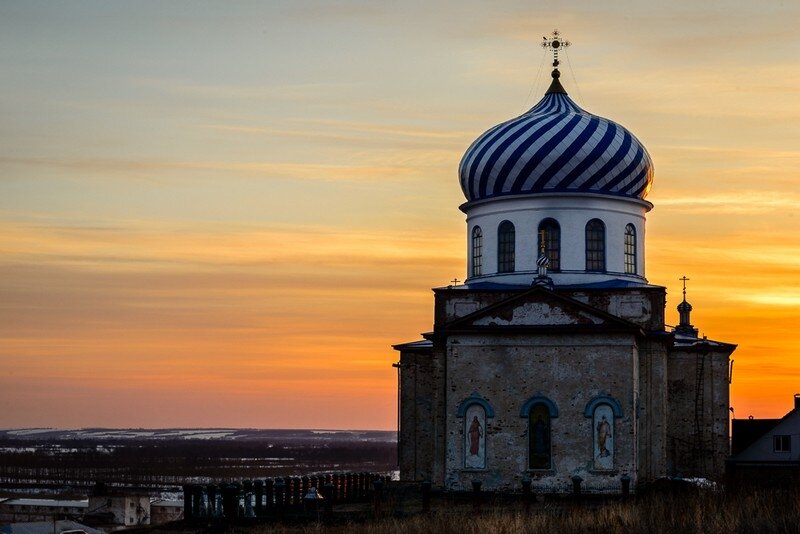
{"x":706,"y":511}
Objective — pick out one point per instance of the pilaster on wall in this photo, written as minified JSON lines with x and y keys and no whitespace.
{"x":652,"y":409}
{"x":416,"y":414}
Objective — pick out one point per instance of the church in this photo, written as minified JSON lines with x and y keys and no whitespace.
{"x":552,"y":361}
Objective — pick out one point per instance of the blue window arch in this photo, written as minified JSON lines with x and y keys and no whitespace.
{"x":552,"y":409}
{"x":616,"y":408}
{"x":475,"y":398}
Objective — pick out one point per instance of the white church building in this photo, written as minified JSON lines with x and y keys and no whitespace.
{"x":552,"y":362}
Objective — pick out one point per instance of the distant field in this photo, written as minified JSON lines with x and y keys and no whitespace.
{"x":161,"y":460}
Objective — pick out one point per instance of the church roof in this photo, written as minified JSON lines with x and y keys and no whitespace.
{"x":421,"y":344}
{"x":695,"y":343}
{"x":556,"y":147}
{"x":745,"y":432}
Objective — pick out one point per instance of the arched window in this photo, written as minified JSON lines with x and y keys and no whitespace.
{"x":603,"y":410}
{"x":505,"y":247}
{"x":477,"y":251}
{"x":552,"y":242}
{"x":595,"y":245}
{"x":630,"y":249}
{"x":539,"y":456}
{"x":540,"y":412}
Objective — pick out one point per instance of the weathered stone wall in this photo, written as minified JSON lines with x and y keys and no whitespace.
{"x":652,"y":408}
{"x":570,"y":370}
{"x":643,"y":307}
{"x":417,"y":387}
{"x":698,"y":418}
{"x":452,"y":304}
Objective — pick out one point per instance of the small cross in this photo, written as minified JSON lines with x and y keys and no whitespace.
{"x":684,"y":279}
{"x":455,"y":281}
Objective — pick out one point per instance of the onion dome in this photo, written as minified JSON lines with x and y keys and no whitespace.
{"x":556,"y":147}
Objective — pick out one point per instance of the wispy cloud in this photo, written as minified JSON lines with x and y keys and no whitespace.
{"x":305,"y":171}
{"x":789,"y":298}
{"x":731,"y":202}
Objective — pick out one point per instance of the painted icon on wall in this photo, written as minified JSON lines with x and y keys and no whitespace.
{"x":475,"y":437}
{"x":603,"y":437}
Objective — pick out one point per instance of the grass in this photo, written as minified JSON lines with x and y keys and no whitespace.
{"x":745,"y":511}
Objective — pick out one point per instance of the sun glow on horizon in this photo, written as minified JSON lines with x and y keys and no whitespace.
{"x":226,"y":218}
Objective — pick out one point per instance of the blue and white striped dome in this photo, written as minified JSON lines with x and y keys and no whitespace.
{"x":556,"y":147}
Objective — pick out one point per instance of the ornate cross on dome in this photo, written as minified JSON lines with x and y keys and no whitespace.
{"x":555,"y":43}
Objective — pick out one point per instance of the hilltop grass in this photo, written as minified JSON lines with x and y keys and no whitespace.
{"x":746,"y":511}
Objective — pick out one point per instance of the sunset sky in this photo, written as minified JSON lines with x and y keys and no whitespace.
{"x":224,"y":213}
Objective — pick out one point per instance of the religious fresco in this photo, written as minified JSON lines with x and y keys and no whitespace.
{"x":603,"y":430}
{"x":475,"y":437}
{"x":539,"y":437}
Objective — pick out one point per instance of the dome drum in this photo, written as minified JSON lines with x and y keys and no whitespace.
{"x":571,"y":213}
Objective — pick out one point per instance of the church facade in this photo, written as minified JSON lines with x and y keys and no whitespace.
{"x":552,"y":361}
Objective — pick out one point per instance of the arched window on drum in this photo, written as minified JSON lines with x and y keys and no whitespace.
{"x":477,"y":251}
{"x":550,"y":231}
{"x":595,"y":245}
{"x":506,"y":242}
{"x":630,"y":249}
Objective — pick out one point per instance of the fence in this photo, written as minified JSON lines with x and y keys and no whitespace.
{"x":274,"y":497}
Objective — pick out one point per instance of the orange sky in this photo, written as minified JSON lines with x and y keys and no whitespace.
{"x":226,"y":217}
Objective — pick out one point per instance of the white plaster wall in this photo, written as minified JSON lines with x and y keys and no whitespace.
{"x":572,"y":211}
{"x":763,"y":449}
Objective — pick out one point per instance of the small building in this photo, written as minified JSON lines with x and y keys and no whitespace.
{"x":165,"y":511}
{"x":766,"y":450}
{"x":113,"y":511}
{"x":27,"y":510}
